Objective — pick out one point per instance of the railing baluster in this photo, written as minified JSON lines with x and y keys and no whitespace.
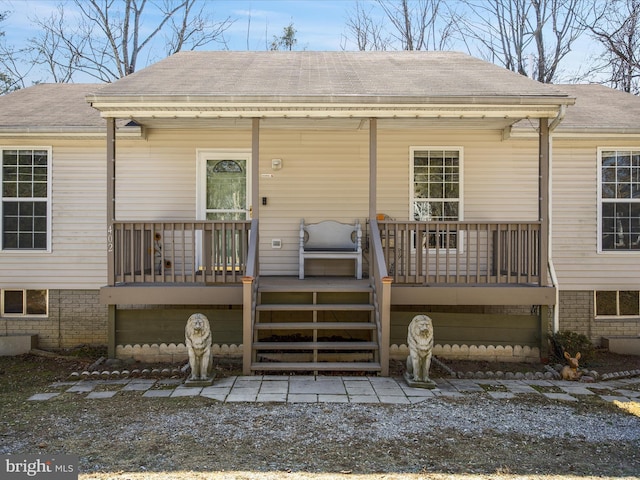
{"x":161,"y":252}
{"x":426,"y":253}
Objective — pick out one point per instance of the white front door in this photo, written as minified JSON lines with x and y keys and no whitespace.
{"x":223,"y":194}
{"x":223,"y":185}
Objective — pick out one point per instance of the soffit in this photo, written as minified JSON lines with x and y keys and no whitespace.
{"x":327,"y":123}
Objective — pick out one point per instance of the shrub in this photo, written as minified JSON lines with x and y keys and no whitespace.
{"x":573,"y":343}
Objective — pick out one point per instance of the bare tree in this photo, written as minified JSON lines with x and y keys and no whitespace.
{"x":417,"y":23}
{"x":195,"y":28}
{"x":108,"y":38}
{"x":618,"y":31}
{"x":512,"y":32}
{"x":403,"y":25}
{"x":6,"y":81}
{"x":10,"y":61}
{"x":367,"y":31}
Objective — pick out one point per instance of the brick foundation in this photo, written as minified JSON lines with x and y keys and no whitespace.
{"x":75,"y":318}
{"x":577,"y":315}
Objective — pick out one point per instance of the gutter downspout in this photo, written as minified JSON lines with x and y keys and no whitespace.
{"x":552,"y":270}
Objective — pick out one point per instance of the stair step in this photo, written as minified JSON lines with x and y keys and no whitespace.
{"x":314,"y":285}
{"x":315,"y":345}
{"x":317,"y":366}
{"x":315,"y":326}
{"x":278,"y":307}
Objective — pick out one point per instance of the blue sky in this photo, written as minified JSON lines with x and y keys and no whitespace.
{"x":320,"y":24}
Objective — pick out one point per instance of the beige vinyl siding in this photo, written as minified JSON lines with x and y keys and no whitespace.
{"x":499,"y":177}
{"x":324,"y":175}
{"x":77,"y":258}
{"x":156,"y":178}
{"x":575,"y":221}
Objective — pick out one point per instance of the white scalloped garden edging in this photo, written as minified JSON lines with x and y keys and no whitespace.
{"x":174,"y":353}
{"x":489,"y":353}
{"x":169,"y":353}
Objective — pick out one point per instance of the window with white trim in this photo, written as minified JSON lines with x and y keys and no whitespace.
{"x":436,"y":193}
{"x":26,"y":176}
{"x":18,"y":302}
{"x":619,"y":198}
{"x":617,"y":303}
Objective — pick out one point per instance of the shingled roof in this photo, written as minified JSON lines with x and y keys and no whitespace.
{"x":600,"y":108}
{"x":50,"y":106}
{"x":326,"y":75}
{"x":384,"y":77}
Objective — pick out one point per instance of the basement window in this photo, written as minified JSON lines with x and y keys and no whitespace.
{"x":24,"y":303}
{"x":617,"y":303}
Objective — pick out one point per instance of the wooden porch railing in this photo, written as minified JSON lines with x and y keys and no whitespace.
{"x":180,"y":252}
{"x":462,"y":252}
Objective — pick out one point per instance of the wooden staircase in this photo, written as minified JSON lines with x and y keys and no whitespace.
{"x":316,"y":324}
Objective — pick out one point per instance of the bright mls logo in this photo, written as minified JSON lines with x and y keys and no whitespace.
{"x":57,"y":467}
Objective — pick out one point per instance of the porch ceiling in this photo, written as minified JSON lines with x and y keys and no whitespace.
{"x":463,"y":108}
{"x":326,"y":123}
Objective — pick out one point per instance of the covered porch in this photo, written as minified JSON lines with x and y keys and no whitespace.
{"x":496,"y":256}
{"x":489,"y":263}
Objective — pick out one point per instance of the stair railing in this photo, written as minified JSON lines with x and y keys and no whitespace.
{"x":381,"y":284}
{"x":249,"y":298}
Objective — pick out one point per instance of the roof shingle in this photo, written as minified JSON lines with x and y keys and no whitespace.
{"x":326,"y":74}
{"x":60,"y":105}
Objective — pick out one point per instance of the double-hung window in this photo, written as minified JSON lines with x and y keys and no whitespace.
{"x":26,"y":174}
{"x":436,"y":194}
{"x":619,"y":198}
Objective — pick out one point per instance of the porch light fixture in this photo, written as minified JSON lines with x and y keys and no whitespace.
{"x":276,"y":163}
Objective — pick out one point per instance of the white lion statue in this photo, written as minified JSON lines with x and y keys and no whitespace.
{"x":420,"y":342}
{"x":198,"y":341}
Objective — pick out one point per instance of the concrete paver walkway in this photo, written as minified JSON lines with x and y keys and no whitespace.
{"x":326,"y":389}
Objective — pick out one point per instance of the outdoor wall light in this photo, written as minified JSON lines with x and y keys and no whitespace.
{"x":276,"y":163}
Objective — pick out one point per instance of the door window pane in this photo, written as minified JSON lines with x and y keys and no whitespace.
{"x":226,"y":185}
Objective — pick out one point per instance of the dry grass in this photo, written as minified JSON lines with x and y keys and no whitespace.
{"x":632,"y":407}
